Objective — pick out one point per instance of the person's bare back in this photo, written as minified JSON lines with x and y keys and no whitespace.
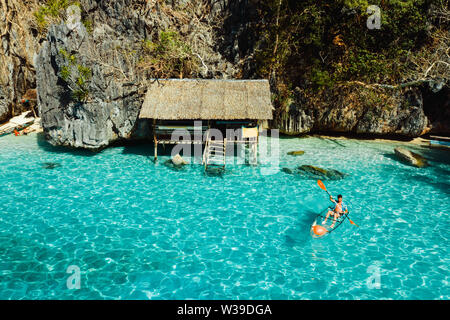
{"x":337,"y":211}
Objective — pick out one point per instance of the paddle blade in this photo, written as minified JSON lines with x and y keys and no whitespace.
{"x":321,"y":185}
{"x":353,"y":223}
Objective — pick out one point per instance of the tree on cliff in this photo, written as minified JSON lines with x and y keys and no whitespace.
{"x":328,"y":42}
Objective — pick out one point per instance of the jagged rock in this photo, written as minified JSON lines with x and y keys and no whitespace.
{"x":19,"y":41}
{"x":115,"y":90}
{"x":410,"y":157}
{"x":112,"y":107}
{"x":177,"y":160}
{"x":390,"y":113}
{"x":51,"y":165}
{"x":312,"y":172}
{"x":407,"y":118}
{"x":287,"y":170}
{"x":319,"y":173}
{"x":4,"y":106}
{"x":296,"y":153}
{"x":297,"y":119}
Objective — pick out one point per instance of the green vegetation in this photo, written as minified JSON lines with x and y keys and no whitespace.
{"x":315,"y":45}
{"x":168,"y":56}
{"x":52,"y":11}
{"x":89,"y":25}
{"x":76,"y":76}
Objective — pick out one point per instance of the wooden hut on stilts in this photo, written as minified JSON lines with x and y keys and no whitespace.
{"x":197,"y":106}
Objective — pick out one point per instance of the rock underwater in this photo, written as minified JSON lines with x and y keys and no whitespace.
{"x":296,"y":153}
{"x":312,"y":172}
{"x":410,"y":157}
{"x":176,"y":163}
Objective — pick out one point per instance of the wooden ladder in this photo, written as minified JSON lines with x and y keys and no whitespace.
{"x":251,"y":151}
{"x":214,"y":155}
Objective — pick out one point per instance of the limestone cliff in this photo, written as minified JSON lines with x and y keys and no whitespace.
{"x":91,"y":77}
{"x":91,"y":84}
{"x":106,"y":114}
{"x":20,"y":40}
{"x":356,"y":109}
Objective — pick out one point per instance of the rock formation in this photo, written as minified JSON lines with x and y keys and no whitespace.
{"x":357,"y":110}
{"x":313,"y":172}
{"x":110,"y":108}
{"x":178,"y":160}
{"x":105,"y":52}
{"x":410,"y":157}
{"x":296,"y":153}
{"x":90,"y":85}
{"x":19,"y":40}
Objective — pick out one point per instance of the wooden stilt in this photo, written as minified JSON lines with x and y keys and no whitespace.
{"x":255,"y":152}
{"x":156,"y":149}
{"x":155,"y":141}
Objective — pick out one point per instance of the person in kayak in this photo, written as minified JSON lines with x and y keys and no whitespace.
{"x":339,"y":209}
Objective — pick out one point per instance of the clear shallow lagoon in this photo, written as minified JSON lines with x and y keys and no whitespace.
{"x":139,"y":230}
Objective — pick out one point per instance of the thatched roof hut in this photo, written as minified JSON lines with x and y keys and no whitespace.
{"x":187,"y":99}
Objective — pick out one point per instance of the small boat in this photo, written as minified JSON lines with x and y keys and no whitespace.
{"x":9,"y":128}
{"x":17,"y":123}
{"x":318,"y":230}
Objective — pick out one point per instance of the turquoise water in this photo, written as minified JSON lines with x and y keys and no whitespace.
{"x":138,"y":230}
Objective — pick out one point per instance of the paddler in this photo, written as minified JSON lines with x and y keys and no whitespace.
{"x":339,"y":209}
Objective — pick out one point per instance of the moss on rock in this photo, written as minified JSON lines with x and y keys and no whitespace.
{"x":296,"y":153}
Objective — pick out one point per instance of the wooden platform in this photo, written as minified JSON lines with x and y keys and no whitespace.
{"x":438,"y":138}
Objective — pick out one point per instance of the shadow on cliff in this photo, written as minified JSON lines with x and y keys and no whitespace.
{"x":46,"y":146}
{"x":144,"y":149}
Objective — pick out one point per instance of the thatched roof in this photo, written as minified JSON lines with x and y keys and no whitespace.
{"x":182,"y":99}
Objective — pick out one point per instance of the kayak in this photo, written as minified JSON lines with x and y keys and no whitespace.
{"x":9,"y":128}
{"x":319,"y":230}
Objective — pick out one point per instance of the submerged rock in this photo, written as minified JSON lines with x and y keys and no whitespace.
{"x":313,"y":172}
{"x":296,"y":153}
{"x":316,"y":172}
{"x":287,"y":170}
{"x":178,"y":160}
{"x":410,"y":157}
{"x":51,"y":165}
{"x":171,"y":165}
{"x":176,"y":163}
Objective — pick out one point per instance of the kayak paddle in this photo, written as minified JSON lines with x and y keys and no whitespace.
{"x":322,"y":186}
{"x":352,"y":222}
